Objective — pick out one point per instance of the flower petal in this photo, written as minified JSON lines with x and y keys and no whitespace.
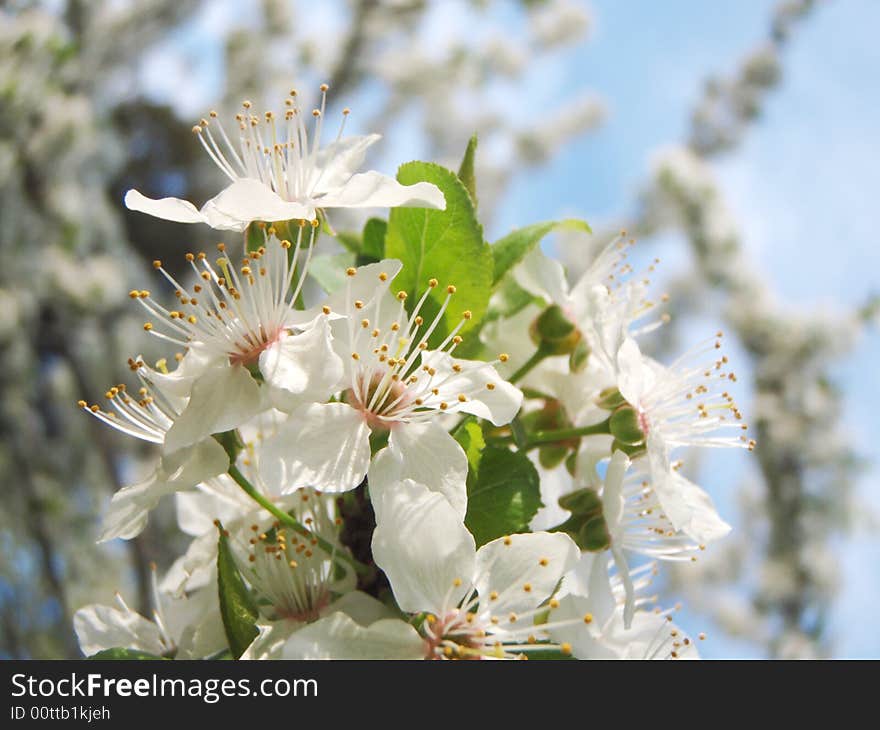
{"x":524,"y":570}
{"x":424,"y":453}
{"x":374,"y":190}
{"x":486,"y":394}
{"x":247,"y":200}
{"x":325,"y":446}
{"x":338,"y":637}
{"x":303,"y":365}
{"x":424,"y":548}
{"x":100,"y":627}
{"x":130,"y":506}
{"x":634,"y":377}
{"x":169,"y":209}
{"x":338,"y":161}
{"x":223,"y":398}
{"x":543,"y":276}
{"x":688,"y":507}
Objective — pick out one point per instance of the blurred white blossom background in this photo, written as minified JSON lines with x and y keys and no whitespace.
{"x":738,"y":141}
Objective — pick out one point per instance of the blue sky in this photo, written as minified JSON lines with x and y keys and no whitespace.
{"x":801,"y":185}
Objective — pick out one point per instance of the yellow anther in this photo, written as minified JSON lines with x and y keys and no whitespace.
{"x":383,"y":276}
{"x":493,"y":596}
{"x":450,"y":289}
{"x":504,"y":357}
{"x":355,"y":356}
{"x":325,"y":309}
{"x":462,"y":398}
{"x":401,"y":295}
{"x":527,"y":587}
{"x":432,"y":283}
{"x":507,"y":540}
{"x":148,"y":326}
{"x":157,"y":264}
{"x":543,"y":562}
{"x":588,"y":618}
{"x":456,"y":582}
{"x":565,"y":649}
{"x":466,"y":314}
{"x":553,"y":603}
{"x":350,"y":271}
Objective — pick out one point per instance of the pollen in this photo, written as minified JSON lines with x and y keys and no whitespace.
{"x":504,"y":357}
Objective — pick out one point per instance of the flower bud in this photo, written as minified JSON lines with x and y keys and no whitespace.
{"x":610,"y":398}
{"x":586,"y":526}
{"x":625,"y":427}
{"x":577,"y":360}
{"x":554,"y":332}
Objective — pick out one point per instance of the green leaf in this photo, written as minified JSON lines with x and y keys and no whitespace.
{"x":466,"y":170}
{"x":503,"y":494}
{"x":444,"y":244}
{"x":118,"y":653}
{"x":374,"y":241}
{"x":329,"y":270}
{"x":512,"y":249}
{"x":470,"y":437}
{"x":237,"y":606}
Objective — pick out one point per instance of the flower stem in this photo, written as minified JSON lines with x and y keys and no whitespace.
{"x":291,"y":522}
{"x":529,"y":364}
{"x":564,"y":434}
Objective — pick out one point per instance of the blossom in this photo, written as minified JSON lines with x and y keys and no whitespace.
{"x":478,"y":603}
{"x":590,"y":590}
{"x":395,"y":385}
{"x":635,"y":515}
{"x":277,"y":173}
{"x":686,"y":404}
{"x":182,"y":627}
{"x":237,"y":319}
{"x":603,"y":303}
{"x":149,"y":417}
{"x":295,"y":576}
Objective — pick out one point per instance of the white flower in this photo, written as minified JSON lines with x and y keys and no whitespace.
{"x":150,"y":417}
{"x":636,"y":512}
{"x":395,"y":385}
{"x":277,"y":173}
{"x":295,"y":579}
{"x":602,"y":304}
{"x":183,"y":627}
{"x":234,"y":319}
{"x":589,"y":591}
{"x":635,"y":515}
{"x":682,"y":405}
{"x":479,"y":603}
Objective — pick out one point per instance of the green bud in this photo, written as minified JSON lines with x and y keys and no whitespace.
{"x":610,"y":398}
{"x":583,"y":502}
{"x":586,"y":526}
{"x":577,"y":360}
{"x":553,"y":332}
{"x":571,"y":463}
{"x":631,"y":450}
{"x":625,"y":427}
{"x":552,"y":455}
{"x":593,"y":535}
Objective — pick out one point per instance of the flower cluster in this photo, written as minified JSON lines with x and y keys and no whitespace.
{"x":359,"y":471}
